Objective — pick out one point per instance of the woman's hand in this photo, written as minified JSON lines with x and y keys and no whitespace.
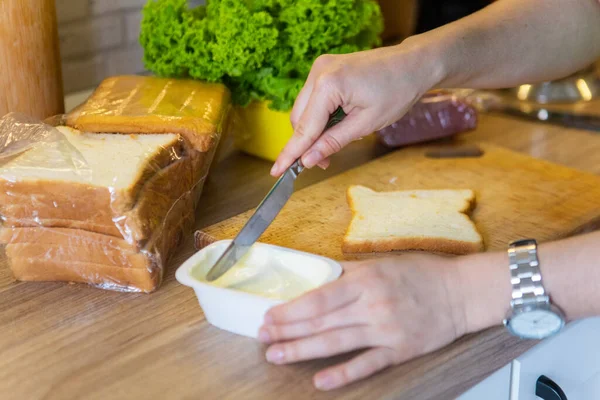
{"x":396,"y":308}
{"x":403,"y":307}
{"x":374,"y":88}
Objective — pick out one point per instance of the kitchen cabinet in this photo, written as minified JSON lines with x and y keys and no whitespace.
{"x":400,"y":19}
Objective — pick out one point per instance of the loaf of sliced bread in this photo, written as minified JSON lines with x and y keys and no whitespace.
{"x":429,"y":220}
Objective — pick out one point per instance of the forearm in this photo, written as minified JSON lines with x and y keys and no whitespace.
{"x":570,"y":271}
{"x":512,"y":42}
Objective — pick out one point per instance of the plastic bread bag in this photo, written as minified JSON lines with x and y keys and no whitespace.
{"x":118,"y":229}
{"x":438,"y":114}
{"x":21,"y":133}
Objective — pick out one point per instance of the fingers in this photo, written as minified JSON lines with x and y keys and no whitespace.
{"x":315,"y":303}
{"x":336,"y":138}
{"x":324,"y":164}
{"x":310,"y":126}
{"x":360,"y":367}
{"x":304,"y":95}
{"x":323,"y":345}
{"x":349,"y":267}
{"x":300,"y":103}
{"x":343,"y":317}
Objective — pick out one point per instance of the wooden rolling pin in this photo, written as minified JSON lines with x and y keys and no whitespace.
{"x":30,"y":70}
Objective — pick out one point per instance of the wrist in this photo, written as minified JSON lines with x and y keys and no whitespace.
{"x":484,"y":285}
{"x":446,"y":52}
{"x":569,"y":270}
{"x":428,"y":59}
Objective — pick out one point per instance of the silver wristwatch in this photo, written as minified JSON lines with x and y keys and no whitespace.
{"x":531,"y":315}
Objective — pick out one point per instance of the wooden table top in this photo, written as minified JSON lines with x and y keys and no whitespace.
{"x":60,"y":341}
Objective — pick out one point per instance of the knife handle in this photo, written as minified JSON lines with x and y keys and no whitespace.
{"x":335,"y":118}
{"x":338,"y":115}
{"x":296,"y":168}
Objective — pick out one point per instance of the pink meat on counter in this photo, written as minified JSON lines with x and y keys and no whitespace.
{"x":436,"y":115}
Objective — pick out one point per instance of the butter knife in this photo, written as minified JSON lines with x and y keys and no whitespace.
{"x":266,"y":212}
{"x":566,"y":119}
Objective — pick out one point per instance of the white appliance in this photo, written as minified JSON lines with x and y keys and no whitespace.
{"x":571,"y":359}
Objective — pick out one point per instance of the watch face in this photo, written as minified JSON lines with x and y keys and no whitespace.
{"x":535,"y":324}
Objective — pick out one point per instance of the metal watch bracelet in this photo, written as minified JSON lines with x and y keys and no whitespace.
{"x":525,"y":275}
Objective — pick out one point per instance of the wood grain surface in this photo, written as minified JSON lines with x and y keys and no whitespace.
{"x":30,"y":66}
{"x":514,"y":193}
{"x":60,"y":341}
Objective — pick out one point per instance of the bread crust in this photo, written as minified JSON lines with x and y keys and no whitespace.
{"x":433,"y":245}
{"x":38,"y":270}
{"x":95,"y":252}
{"x":61,"y":236}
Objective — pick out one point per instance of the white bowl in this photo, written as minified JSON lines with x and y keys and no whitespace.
{"x":242,"y":312}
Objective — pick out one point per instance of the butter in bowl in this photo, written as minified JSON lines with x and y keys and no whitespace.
{"x":267,"y":276}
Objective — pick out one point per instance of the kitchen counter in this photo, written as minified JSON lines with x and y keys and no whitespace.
{"x":60,"y":341}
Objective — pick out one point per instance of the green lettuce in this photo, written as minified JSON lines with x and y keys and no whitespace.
{"x":261,"y":49}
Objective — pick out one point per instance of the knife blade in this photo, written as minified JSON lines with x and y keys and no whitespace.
{"x":264,"y":215}
{"x":569,"y":120}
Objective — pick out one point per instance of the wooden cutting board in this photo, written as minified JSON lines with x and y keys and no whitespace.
{"x":517,"y":197}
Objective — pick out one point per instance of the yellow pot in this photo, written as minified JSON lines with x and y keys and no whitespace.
{"x":262,"y":132}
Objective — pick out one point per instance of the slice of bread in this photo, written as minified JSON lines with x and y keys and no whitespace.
{"x":155,"y":199}
{"x":428,"y":220}
{"x":131,"y":184}
{"x":117,"y":168}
